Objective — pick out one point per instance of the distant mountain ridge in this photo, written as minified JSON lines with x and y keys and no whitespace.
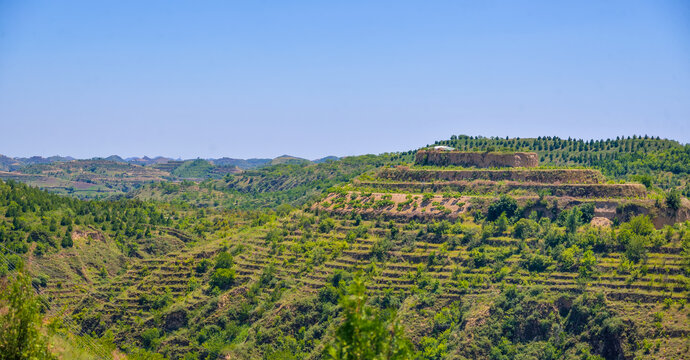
{"x":146,"y":161}
{"x":8,"y":163}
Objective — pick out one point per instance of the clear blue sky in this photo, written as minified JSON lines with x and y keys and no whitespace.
{"x":315,"y":78}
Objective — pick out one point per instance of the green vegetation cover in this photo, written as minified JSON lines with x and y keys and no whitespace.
{"x":365,"y":257}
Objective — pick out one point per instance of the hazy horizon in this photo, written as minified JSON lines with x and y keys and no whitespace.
{"x":286,"y":154}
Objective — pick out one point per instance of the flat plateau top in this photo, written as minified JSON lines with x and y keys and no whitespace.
{"x":477,"y":152}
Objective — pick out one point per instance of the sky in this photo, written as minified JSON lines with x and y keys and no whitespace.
{"x":249,"y":79}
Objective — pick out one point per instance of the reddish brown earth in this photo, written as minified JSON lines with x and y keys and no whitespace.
{"x":551,"y":176}
{"x":601,"y":222}
{"x":476,"y":159}
{"x":435,"y":207}
{"x":485,"y":186}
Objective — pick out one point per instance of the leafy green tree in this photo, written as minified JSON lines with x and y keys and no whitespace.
{"x":501,"y":224}
{"x":223,"y":278}
{"x":149,"y":338}
{"x":525,"y":228}
{"x":67,"y":241}
{"x":20,"y":322}
{"x":202,"y":266}
{"x":635,"y":249}
{"x":673,"y":199}
{"x":224,"y":260}
{"x":640,"y":225}
{"x":645,"y":180}
{"x":504,"y":204}
{"x":586,"y":212}
{"x":13,"y":209}
{"x":588,"y":265}
{"x":573,"y":219}
{"x":367,"y":333}
{"x":433,"y":348}
{"x":326,"y":225}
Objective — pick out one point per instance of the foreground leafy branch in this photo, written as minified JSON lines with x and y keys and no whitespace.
{"x":367,"y":333}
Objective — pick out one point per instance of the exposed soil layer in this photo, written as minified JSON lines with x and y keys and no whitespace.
{"x":406,"y":206}
{"x":483,"y":187}
{"x":400,"y":206}
{"x":476,"y":159}
{"x":551,"y":176}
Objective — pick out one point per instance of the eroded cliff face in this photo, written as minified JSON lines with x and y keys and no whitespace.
{"x":476,"y":159}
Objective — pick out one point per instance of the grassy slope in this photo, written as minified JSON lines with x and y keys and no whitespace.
{"x":450,"y":282}
{"x":438,"y":279}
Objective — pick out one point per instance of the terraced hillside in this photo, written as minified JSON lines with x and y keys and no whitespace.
{"x":662,"y":162}
{"x":472,"y":274}
{"x":547,"y":263}
{"x":422,"y":192}
{"x":500,"y":226}
{"x":287,"y":273}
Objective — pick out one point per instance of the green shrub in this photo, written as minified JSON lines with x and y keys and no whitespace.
{"x":223,"y":260}
{"x":501,"y":225}
{"x":439,"y":227}
{"x":673,"y":199}
{"x":382,"y":203}
{"x":573,"y":219}
{"x":538,"y":263}
{"x":587,"y":212}
{"x":380,"y":249}
{"x":635,"y":249}
{"x":161,"y":300}
{"x":202,"y":266}
{"x":192,"y":284}
{"x":273,"y":235}
{"x":640,"y":225}
{"x":20,"y":322}
{"x":223,"y":278}
{"x":667,"y":303}
{"x":504,"y":204}
{"x":645,"y":180}
{"x":149,"y":338}
{"x":587,"y":267}
{"x":366,"y":333}
{"x":326,"y":225}
{"x":67,"y":241}
{"x":525,"y":228}
{"x":40,"y":280}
